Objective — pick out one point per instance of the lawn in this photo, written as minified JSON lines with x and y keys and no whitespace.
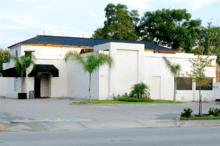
{"x":201,"y":118}
{"x":125,"y":102}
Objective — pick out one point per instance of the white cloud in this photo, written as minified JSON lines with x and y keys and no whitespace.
{"x":98,"y":21}
{"x":43,"y":7}
{"x":140,"y":4}
{"x":94,"y":15}
{"x":193,"y":4}
{"x":56,"y":2}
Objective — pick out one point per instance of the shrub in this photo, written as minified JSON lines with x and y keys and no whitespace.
{"x":214,"y":111}
{"x":133,"y":99}
{"x":115,"y":98}
{"x":140,"y":89}
{"x":187,"y":113}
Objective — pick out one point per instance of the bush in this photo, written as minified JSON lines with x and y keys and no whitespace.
{"x":214,"y":111}
{"x":133,"y":99}
{"x":187,"y":113}
{"x":115,"y":98}
{"x":140,"y":89}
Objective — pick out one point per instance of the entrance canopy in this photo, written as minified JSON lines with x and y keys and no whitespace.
{"x":44,"y":68}
{"x":11,"y":72}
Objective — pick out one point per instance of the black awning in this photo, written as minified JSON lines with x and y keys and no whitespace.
{"x":11,"y":72}
{"x":44,"y":68}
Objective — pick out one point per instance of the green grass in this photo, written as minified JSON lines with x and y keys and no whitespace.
{"x":125,"y":102}
{"x":200,"y":118}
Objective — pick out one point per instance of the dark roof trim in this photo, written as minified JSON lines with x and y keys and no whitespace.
{"x":44,"y":68}
{"x":76,"y":41}
{"x":11,"y":72}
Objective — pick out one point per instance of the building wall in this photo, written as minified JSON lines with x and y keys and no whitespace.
{"x":217,"y":90}
{"x":127,"y":68}
{"x":4,"y":86}
{"x":58,"y":85}
{"x":155,"y":66}
{"x":78,"y":81}
{"x":44,"y":55}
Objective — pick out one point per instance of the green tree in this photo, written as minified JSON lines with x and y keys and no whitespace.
{"x":175,"y":69}
{"x":21,"y":64}
{"x":120,"y":24}
{"x":92,"y":63}
{"x":197,"y":74}
{"x":173,"y":28}
{"x":209,"y":41}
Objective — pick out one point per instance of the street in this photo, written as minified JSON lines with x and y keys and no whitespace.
{"x":60,"y":115}
{"x":191,"y":136}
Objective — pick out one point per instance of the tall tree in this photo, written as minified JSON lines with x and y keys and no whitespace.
{"x":198,"y":74}
{"x":175,"y":69}
{"x":21,"y":64}
{"x":92,"y":63}
{"x":209,"y":41}
{"x":120,"y":24}
{"x":173,"y":28}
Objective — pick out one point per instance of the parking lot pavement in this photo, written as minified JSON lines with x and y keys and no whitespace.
{"x":55,"y":114}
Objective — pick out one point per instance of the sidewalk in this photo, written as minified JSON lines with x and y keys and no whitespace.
{"x":76,"y":126}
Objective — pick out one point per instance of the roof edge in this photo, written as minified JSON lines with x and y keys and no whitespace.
{"x":22,"y":42}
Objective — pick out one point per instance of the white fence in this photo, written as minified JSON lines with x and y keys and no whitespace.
{"x":4,"y":86}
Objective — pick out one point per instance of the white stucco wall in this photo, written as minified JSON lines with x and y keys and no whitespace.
{"x":155,"y":66}
{"x":44,"y":55}
{"x":217,"y":90}
{"x":48,"y":52}
{"x":4,"y":86}
{"x":58,"y":85}
{"x":127,"y":68}
{"x":78,"y":81}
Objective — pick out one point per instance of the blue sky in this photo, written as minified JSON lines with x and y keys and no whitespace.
{"x":23,"y":19}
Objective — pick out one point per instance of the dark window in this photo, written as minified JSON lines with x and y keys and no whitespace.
{"x":184,"y":84}
{"x":209,"y":82}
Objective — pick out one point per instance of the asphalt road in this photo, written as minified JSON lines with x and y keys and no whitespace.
{"x":59,"y":115}
{"x":194,"y":136}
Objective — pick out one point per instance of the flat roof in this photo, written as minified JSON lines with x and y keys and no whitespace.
{"x":76,"y":41}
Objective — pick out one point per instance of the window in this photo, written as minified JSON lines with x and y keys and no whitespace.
{"x":205,"y":87}
{"x":184,"y":84}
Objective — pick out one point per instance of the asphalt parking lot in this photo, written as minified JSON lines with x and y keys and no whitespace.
{"x":55,"y":114}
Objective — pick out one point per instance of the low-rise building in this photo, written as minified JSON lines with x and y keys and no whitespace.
{"x":133,"y":62}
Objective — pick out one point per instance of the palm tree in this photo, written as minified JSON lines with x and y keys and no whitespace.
{"x":21,"y":64}
{"x":175,"y":69}
{"x":91,"y":63}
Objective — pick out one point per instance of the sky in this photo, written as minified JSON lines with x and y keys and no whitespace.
{"x":24,"y":19}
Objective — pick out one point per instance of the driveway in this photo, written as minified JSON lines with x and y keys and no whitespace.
{"x":55,"y":114}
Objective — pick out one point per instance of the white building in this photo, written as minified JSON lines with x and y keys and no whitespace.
{"x":133,"y":62}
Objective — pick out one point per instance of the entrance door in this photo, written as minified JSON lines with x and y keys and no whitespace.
{"x":155,"y":89}
{"x":37,"y":87}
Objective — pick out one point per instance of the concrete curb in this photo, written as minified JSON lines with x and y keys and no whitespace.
{"x":122,"y":104}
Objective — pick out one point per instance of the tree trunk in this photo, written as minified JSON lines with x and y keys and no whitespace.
{"x":90,"y":76}
{"x":175,"y":86}
{"x":22,"y":84}
{"x":200,"y":102}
